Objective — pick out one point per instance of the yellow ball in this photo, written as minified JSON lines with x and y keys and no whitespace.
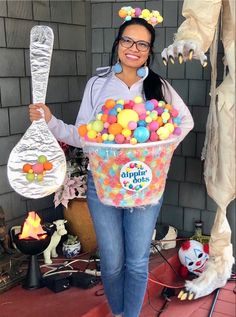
{"x":92,"y":134}
{"x":120,"y":101}
{"x":111,"y":137}
{"x":146,"y":13}
{"x":126,"y":132}
{"x":148,"y":119}
{"x":170,"y":127}
{"x":138,"y":99}
{"x":90,"y":126}
{"x":133,"y":141}
{"x":105,"y":137}
{"x":165,"y":116}
{"x":125,"y":116}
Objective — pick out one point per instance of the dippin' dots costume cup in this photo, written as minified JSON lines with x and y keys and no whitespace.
{"x":130,"y":175}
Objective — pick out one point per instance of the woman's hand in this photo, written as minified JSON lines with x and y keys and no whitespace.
{"x":36,"y":114}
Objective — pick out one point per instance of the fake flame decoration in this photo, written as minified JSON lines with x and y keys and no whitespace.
{"x":32,"y":228}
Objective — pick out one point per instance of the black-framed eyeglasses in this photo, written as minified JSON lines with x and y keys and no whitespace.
{"x":127,"y":42}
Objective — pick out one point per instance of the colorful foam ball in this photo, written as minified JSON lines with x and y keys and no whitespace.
{"x":177,"y":131}
{"x":125,"y":116}
{"x":119,"y":138}
{"x":92,"y":134}
{"x":138,"y":99}
{"x":30,"y":177}
{"x":47,"y":166}
{"x":37,"y":168}
{"x":141,"y":134}
{"x":115,"y":128}
{"x":149,"y":105}
{"x":153,"y":126}
{"x":27,"y":167}
{"x":82,"y":129}
{"x":142,"y":123}
{"x":132,"y":125}
{"x":110,"y":103}
{"x":97,"y":126}
{"x":42,"y":159}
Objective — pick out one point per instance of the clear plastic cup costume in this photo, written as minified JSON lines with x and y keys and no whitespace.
{"x":198,"y":32}
{"x":37,"y":164}
{"x":128,"y":166}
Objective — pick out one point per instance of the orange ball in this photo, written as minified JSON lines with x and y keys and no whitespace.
{"x":47,"y":166}
{"x":168,"y":106}
{"x":160,"y":121}
{"x":104,"y":117}
{"x":82,"y":130}
{"x":122,"y":13}
{"x":26,"y":168}
{"x":115,"y":128}
{"x":110,"y":103}
{"x":99,"y":139}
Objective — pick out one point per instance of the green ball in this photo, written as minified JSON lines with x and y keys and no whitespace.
{"x":42,"y":159}
{"x":97,"y":126}
{"x":30,"y":177}
{"x":40,"y":177}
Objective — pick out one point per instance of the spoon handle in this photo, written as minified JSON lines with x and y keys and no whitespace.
{"x":41,"y":46}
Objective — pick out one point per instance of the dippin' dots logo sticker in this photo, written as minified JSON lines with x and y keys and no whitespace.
{"x":135,"y":176}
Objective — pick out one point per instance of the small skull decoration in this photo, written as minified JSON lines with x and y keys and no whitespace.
{"x":193,"y":256}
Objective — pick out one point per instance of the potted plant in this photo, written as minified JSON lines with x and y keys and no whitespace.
{"x":72,"y":195}
{"x":71,"y":246}
{"x":75,"y":182}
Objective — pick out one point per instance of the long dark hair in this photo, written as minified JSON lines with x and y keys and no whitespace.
{"x":153,"y":83}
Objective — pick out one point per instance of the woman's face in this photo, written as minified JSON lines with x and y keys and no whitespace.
{"x":136,"y":55}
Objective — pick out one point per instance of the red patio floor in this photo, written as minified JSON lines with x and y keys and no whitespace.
{"x":75,"y":302}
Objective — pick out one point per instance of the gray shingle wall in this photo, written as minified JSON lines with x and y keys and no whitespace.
{"x":185,"y":198}
{"x":70,"y":21}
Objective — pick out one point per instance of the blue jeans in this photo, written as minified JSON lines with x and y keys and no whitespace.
{"x":124,"y":238}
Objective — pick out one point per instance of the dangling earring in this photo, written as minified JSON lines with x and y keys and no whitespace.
{"x":117,"y":68}
{"x":141,"y":72}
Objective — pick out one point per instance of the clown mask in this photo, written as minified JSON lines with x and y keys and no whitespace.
{"x":193,"y":256}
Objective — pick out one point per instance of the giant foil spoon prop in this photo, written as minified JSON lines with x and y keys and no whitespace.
{"x":37,"y":165}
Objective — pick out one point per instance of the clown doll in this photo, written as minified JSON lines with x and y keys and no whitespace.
{"x":193,"y":256}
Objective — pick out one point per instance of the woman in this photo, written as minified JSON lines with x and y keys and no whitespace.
{"x":124,"y":235}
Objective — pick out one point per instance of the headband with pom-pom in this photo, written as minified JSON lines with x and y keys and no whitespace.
{"x":153,"y":17}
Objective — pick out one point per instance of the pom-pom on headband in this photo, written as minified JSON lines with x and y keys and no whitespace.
{"x":153,"y":17}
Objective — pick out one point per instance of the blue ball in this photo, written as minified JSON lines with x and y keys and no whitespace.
{"x":141,"y":134}
{"x":142,"y":123}
{"x":149,"y":105}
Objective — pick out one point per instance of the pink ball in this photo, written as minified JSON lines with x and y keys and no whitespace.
{"x":142,"y":116}
{"x":106,"y":125}
{"x":174,"y":113}
{"x":38,"y":168}
{"x":112,"y":119}
{"x":139,"y":108}
{"x":153,"y":126}
{"x":153,"y":137}
{"x":132,"y":125}
{"x":177,"y":131}
{"x":119,"y":138}
{"x":155,"y":102}
{"x":138,"y":11}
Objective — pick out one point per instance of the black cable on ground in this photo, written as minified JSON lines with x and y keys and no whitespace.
{"x":217,"y":291}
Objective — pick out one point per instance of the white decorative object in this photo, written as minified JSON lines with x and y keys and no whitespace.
{"x":38,"y":140}
{"x":55,"y":239}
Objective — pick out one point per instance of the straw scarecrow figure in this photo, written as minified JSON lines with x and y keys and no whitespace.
{"x":205,"y":21}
